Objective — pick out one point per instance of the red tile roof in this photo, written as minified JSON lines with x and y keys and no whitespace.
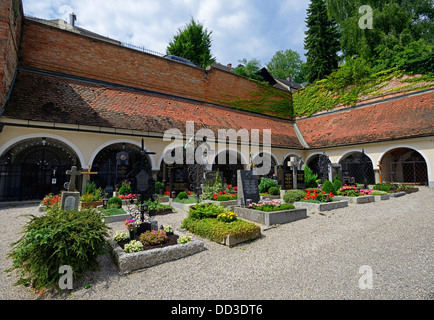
{"x":410,"y":116}
{"x":52,"y":98}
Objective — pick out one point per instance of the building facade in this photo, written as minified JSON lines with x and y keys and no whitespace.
{"x":71,"y":99}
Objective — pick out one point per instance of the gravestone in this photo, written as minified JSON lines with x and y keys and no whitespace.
{"x":69,"y":200}
{"x":142,"y":180}
{"x":247,"y":187}
{"x":178,"y":179}
{"x":300,"y":180}
{"x":288,"y":178}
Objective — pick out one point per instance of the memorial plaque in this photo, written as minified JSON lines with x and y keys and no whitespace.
{"x":69,"y":200}
{"x":278,"y":171}
{"x":300,"y":180}
{"x":247,"y":187}
{"x":288,"y":179}
{"x":178,"y":179}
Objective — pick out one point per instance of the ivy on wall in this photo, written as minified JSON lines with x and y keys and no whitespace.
{"x":266,"y":100}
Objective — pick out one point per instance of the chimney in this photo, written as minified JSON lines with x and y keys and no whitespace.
{"x":72,"y":19}
{"x":230,"y":65}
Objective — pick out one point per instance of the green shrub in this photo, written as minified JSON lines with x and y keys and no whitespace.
{"x":266,"y":184}
{"x":159,"y":186}
{"x":328,"y":187}
{"x":125,"y":188}
{"x":182,"y":195}
{"x":206,"y":210}
{"x":310,"y":178}
{"x":217,"y":230}
{"x":382,"y":187}
{"x":216,"y":188}
{"x":378,"y":193}
{"x":57,"y":238}
{"x":274,"y":191}
{"x":337,"y":184}
{"x":292,"y":196}
{"x":115,"y":201}
{"x":89,"y":188}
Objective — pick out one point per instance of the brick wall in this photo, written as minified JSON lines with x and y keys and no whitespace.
{"x":11,"y":12}
{"x":52,"y":49}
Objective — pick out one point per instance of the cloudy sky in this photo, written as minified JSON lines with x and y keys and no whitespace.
{"x":240,"y":28}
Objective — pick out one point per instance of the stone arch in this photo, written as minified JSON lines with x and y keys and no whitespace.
{"x":33,"y":166}
{"x":405,"y":164}
{"x":229,"y":168}
{"x":358,"y":167}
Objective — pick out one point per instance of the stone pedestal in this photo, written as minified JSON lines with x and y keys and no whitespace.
{"x":70,"y":200}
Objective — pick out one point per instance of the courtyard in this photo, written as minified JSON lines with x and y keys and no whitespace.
{"x":379,"y":250}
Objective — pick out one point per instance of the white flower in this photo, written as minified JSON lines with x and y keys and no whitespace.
{"x":168,"y":229}
{"x":120,"y":236}
{"x":184,"y":239}
{"x":133,"y":246}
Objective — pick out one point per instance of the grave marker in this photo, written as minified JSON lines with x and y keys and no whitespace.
{"x":247,"y":187}
{"x":73,"y":173}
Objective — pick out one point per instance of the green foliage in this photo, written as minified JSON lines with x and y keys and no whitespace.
{"x":292,"y":196}
{"x":249,"y":69}
{"x":265,"y":100}
{"x":270,"y":206}
{"x":158,"y":186}
{"x":266,"y":183}
{"x":193,"y":42}
{"x":216,"y":188}
{"x":287,"y":63}
{"x":125,"y":188}
{"x":206,"y":210}
{"x":274,"y":191}
{"x":382,"y":187}
{"x":337,"y":184}
{"x":310,"y":178}
{"x":112,"y":211}
{"x":115,"y":201}
{"x":328,"y":187}
{"x":89,"y":188}
{"x":321,"y":42}
{"x":182,"y":195}
{"x":57,"y":238}
{"x":218,"y":230}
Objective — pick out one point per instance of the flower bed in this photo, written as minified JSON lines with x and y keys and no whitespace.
{"x":128,"y":262}
{"x":269,"y":212}
{"x":216,"y":223}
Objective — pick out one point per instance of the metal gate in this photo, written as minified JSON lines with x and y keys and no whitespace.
{"x":405,"y":171}
{"x":30,"y":181}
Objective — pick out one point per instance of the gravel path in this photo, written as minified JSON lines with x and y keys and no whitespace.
{"x":315,"y":258}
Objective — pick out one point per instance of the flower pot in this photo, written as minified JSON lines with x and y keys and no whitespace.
{"x":132,"y":234}
{"x":93,"y":204}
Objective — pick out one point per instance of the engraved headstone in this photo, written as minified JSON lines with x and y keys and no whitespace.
{"x":70,"y":200}
{"x":247,"y":187}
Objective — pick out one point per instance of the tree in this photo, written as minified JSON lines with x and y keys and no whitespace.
{"x":321,"y":42}
{"x":249,"y":69}
{"x":193,"y":42}
{"x":286,"y":63}
{"x":395,"y":22}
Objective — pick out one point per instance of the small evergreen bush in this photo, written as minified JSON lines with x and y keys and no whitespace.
{"x":115,"y":201}
{"x":328,"y":187}
{"x":337,"y":184}
{"x":310,"y":178}
{"x":292,"y":196}
{"x":182,"y":195}
{"x":274,"y":191}
{"x":57,"y":238}
{"x":266,"y":184}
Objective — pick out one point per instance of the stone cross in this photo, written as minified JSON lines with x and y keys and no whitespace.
{"x":88,"y":173}
{"x":73,"y":173}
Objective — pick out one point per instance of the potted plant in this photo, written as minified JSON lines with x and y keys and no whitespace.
{"x":92,"y":196}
